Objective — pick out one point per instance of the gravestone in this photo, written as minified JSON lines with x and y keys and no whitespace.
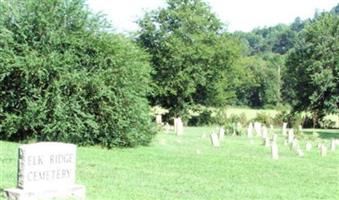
{"x":274,"y":151}
{"x":264,"y":132}
{"x":250,"y":133}
{"x":221,"y":133}
{"x":300,"y":128}
{"x":300,"y":153}
{"x":46,"y":170}
{"x":284,"y":129}
{"x":167,"y":128}
{"x":215,"y":140}
{"x":178,"y":126}
{"x":274,"y":138}
{"x":323,"y":150}
{"x":295,"y":145}
{"x":308,"y":146}
{"x":257,"y":128}
{"x":158,"y":119}
{"x":290,"y":136}
{"x":333,"y":145}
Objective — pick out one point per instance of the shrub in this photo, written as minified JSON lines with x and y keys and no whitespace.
{"x":264,"y":118}
{"x":63,"y":78}
{"x":199,"y":115}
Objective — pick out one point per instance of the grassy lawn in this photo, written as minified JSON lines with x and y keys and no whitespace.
{"x":171,"y":168}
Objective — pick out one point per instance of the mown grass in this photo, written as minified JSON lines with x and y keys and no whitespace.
{"x":171,"y":168}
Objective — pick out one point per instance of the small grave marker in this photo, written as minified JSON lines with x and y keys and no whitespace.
{"x":274,"y":151}
{"x":323,"y":150}
{"x":215,"y":140}
{"x":221,"y":133}
{"x":308,"y":146}
{"x":158,"y":119}
{"x":284,"y":129}
{"x":333,"y":145}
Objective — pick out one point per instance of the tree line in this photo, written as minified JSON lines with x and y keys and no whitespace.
{"x":65,"y":74}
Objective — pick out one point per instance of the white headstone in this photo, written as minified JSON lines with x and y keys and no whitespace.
{"x":257,"y":128}
{"x":250,"y":132}
{"x":178,"y":126}
{"x":167,"y":127}
{"x":274,"y":138}
{"x":158,"y":119}
{"x":221,"y":133}
{"x":284,"y":129}
{"x":215,"y":140}
{"x":308,"y":146}
{"x":46,"y":170}
{"x":290,"y":136}
{"x":333,"y":145}
{"x":323,"y":150}
{"x":274,"y":151}
{"x":300,"y":128}
{"x":300,"y":152}
{"x":264,"y":133}
{"x":295,"y":145}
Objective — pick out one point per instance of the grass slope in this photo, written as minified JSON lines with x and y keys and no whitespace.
{"x":170,"y":168}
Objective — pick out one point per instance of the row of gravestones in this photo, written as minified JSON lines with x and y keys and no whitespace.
{"x":268,"y":141}
{"x":46,"y":170}
{"x":257,"y":129}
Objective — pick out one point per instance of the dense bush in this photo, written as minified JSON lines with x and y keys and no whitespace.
{"x":199,"y":115}
{"x":64,"y":78}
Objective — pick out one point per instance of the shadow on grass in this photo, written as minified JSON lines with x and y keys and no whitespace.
{"x":2,"y":193}
{"x":325,"y":134}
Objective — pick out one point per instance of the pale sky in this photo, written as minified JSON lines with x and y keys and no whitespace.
{"x":243,"y":15}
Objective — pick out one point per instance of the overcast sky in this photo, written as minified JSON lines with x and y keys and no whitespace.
{"x":243,"y":15}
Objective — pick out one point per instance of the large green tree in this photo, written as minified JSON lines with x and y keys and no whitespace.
{"x":63,"y":78}
{"x":312,"y":75}
{"x":191,"y":55}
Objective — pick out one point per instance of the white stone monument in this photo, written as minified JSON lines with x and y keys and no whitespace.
{"x":300,"y":128}
{"x":158,"y":119}
{"x":264,"y":132}
{"x":274,"y":151}
{"x":333,"y":145}
{"x":250,"y":133}
{"x":284,"y":129}
{"x":308,"y":146}
{"x":221,"y":133}
{"x":274,"y":138}
{"x":290,"y":136}
{"x":46,"y":170}
{"x":257,"y":128}
{"x":323,"y":150}
{"x":300,"y":153}
{"x":215,"y":140}
{"x":178,"y":126}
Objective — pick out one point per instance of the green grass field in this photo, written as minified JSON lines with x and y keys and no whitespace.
{"x":171,"y":168}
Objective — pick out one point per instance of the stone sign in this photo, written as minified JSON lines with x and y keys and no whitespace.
{"x":46,"y":170}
